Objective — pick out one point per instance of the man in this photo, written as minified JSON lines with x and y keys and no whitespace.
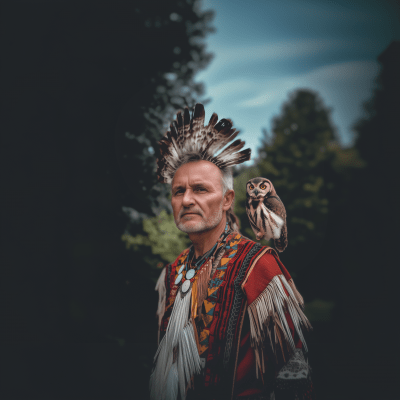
{"x":230,"y":316}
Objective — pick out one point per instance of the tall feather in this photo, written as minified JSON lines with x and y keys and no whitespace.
{"x":187,"y":135}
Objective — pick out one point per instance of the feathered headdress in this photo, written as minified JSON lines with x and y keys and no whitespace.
{"x":189,"y":135}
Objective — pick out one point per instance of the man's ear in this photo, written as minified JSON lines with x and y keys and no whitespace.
{"x":228,"y":200}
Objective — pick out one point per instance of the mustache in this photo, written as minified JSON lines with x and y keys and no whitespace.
{"x":192,"y":211}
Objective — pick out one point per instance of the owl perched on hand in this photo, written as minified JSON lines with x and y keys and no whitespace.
{"x":266,"y":212}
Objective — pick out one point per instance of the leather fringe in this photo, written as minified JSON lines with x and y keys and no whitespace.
{"x":196,"y":335}
{"x":269,"y":310}
{"x":171,"y":372}
{"x":298,"y":296}
{"x":162,"y":295}
{"x":180,"y":338}
{"x":202,"y":284}
{"x":194,"y":300}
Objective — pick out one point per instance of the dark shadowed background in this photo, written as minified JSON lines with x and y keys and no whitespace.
{"x":88,"y":89}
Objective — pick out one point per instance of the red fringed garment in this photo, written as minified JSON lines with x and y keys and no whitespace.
{"x":250,"y":324}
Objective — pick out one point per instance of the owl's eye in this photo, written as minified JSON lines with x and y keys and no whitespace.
{"x":263,"y":186}
{"x":251,"y":187}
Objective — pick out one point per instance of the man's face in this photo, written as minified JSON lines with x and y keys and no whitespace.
{"x":197,"y":199}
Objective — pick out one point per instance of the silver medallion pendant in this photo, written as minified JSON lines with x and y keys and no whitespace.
{"x":190,"y":274}
{"x":185,"y":287}
{"x":178,"y":279}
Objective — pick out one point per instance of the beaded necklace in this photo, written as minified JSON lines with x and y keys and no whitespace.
{"x":192,"y":273}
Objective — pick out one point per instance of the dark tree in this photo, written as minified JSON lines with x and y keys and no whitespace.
{"x":369,"y":260}
{"x":79,"y":78}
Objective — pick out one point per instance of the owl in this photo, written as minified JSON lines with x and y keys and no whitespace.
{"x":266,"y":212}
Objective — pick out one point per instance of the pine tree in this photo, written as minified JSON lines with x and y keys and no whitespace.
{"x":298,"y":158}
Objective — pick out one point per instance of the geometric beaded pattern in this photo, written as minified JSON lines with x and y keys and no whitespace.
{"x":205,"y":319}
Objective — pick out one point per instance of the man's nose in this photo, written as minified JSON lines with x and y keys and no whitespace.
{"x":188,"y":198}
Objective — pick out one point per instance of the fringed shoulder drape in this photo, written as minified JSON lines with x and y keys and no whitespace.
{"x":271,"y":298}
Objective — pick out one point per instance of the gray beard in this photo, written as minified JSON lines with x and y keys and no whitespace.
{"x":203,"y":225}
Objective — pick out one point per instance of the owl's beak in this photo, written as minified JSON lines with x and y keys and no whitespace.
{"x":256,"y":192}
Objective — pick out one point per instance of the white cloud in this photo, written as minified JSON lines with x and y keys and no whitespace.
{"x":284,"y":49}
{"x":236,"y":56}
{"x":348,"y":76}
{"x":268,"y":70}
{"x":359,"y":70}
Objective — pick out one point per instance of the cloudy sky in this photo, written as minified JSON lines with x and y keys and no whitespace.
{"x":265,"y":49}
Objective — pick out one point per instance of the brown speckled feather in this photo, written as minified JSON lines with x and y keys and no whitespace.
{"x":190,"y":135}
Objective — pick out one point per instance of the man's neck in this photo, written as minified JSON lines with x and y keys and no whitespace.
{"x":204,"y":241}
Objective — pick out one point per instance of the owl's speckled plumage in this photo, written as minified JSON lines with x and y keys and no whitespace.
{"x":266,"y":212}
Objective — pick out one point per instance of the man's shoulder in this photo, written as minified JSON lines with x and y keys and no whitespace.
{"x":244,"y":245}
{"x":262,"y":271}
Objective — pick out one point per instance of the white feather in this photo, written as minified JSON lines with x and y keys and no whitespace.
{"x":273,"y":222}
{"x":171,"y":386}
{"x":168,"y":376}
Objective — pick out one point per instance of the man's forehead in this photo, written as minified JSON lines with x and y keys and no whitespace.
{"x":193,"y":179}
{"x":197,"y":173}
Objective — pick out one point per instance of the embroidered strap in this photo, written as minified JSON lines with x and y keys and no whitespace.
{"x":237,"y":302}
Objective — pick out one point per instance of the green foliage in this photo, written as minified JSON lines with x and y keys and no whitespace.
{"x":162,"y":236}
{"x":319,"y":310}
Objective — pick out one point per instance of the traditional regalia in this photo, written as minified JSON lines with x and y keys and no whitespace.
{"x":230,"y":323}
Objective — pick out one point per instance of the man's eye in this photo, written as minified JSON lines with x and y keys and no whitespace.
{"x":200,"y":189}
